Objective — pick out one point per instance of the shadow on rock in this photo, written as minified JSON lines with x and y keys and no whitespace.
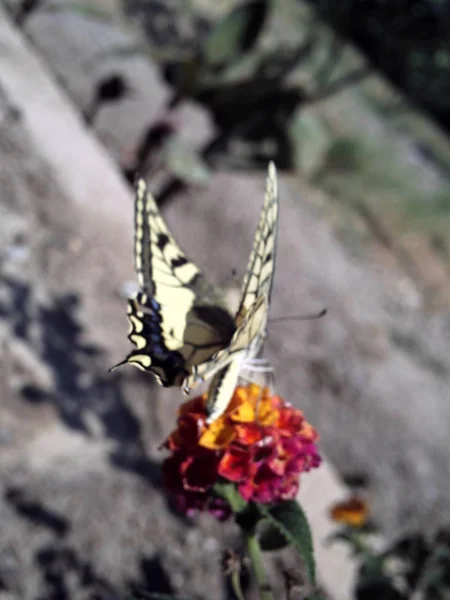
{"x":63,"y":570}
{"x":36,"y":513}
{"x":81,"y":387}
{"x":153,"y":579}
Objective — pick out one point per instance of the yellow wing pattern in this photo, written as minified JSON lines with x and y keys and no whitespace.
{"x":177,"y":319}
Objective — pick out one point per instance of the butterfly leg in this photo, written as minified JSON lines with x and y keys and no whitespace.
{"x":192,"y":381}
{"x":190,"y":384}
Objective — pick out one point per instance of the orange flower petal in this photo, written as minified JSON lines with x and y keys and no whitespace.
{"x":234,"y":465}
{"x":218,"y":435}
{"x":353,"y":512}
{"x":243,"y":413}
{"x":267,"y":415}
{"x":252,"y":391}
{"x":248,"y":433}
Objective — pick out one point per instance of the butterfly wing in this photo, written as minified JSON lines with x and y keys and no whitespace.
{"x":258,"y":278}
{"x":221,"y":390}
{"x":246,"y":341}
{"x":251,"y":317}
{"x":177,"y":319}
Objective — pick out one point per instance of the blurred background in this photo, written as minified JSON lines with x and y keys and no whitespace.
{"x":352,"y":102}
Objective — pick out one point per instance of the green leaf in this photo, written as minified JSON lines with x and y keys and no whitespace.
{"x":235,"y":35}
{"x":290,"y":520}
{"x":271,"y":538}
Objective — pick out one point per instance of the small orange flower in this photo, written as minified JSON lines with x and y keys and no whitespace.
{"x":260,"y":443}
{"x":353,"y":512}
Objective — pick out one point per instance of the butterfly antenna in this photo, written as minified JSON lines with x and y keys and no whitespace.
{"x":123,"y":362}
{"x":310,"y":317}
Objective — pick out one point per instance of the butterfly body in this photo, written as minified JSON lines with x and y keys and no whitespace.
{"x":181,"y":327}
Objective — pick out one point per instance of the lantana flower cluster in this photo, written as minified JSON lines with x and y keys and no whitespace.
{"x":261,"y":443}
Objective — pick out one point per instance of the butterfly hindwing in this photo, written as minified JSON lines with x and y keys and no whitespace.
{"x":151,"y":354}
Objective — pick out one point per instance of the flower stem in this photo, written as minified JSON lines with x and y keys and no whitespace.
{"x":236,"y":585}
{"x":254,"y":552}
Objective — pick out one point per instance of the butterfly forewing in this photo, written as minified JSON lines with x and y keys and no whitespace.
{"x":258,"y":278}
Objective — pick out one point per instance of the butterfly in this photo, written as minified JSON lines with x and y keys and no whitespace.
{"x":180,"y":325}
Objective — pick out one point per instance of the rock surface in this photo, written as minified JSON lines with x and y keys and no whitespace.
{"x":81,"y":511}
